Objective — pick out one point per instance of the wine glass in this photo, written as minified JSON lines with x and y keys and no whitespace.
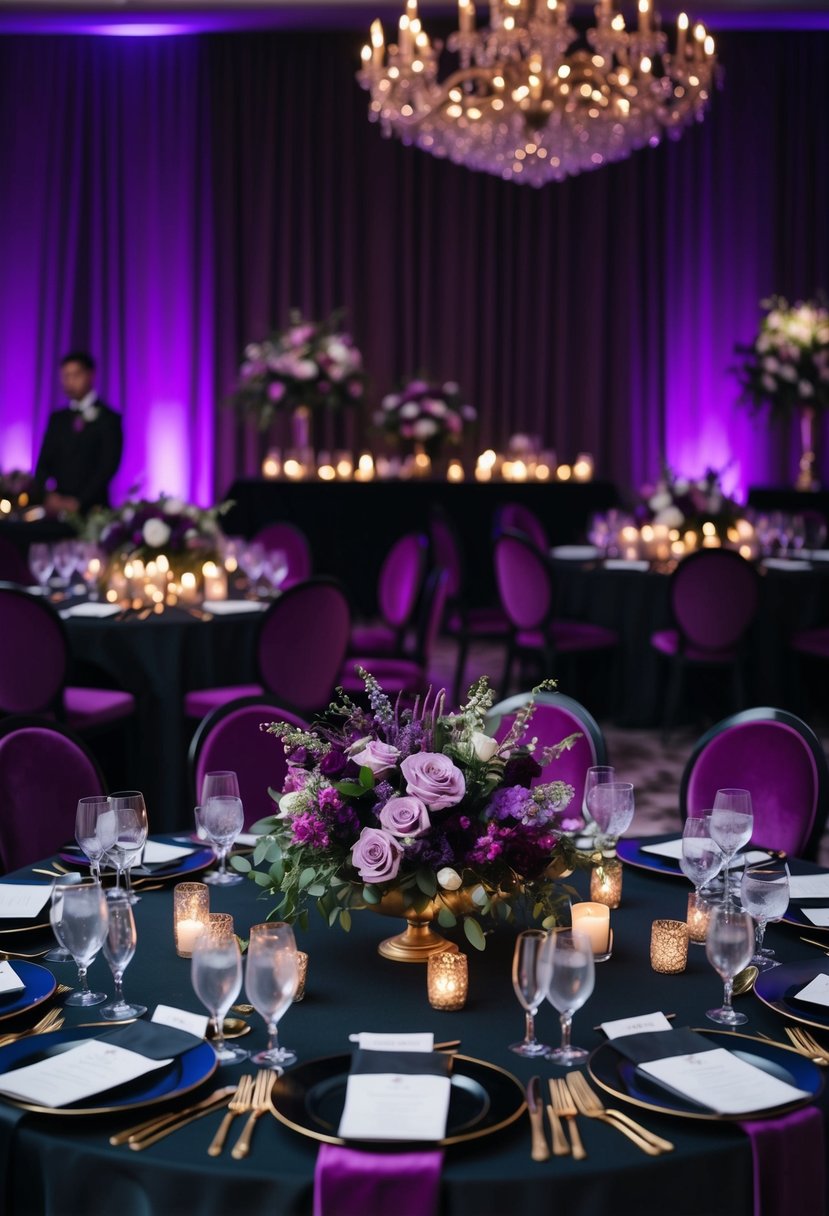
{"x":730,"y":823}
{"x":221,"y":784}
{"x":131,"y":836}
{"x":41,"y":563}
{"x":701,"y":858}
{"x":569,"y":975}
{"x":765,"y":895}
{"x":276,"y":569}
{"x":528,"y":984}
{"x":599,"y":774}
{"x":271,"y":980}
{"x":65,"y":560}
{"x":79,"y":920}
{"x":222,"y":819}
{"x":216,"y":974}
{"x":95,"y":830}
{"x":729,"y":944}
{"x":611,"y":805}
{"x":119,"y":947}
{"x":59,"y":953}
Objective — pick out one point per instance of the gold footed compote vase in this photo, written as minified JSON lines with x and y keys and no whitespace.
{"x":419,"y":940}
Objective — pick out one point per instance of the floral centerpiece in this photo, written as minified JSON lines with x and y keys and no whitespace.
{"x":415,"y":813}
{"x":146,"y":529}
{"x":688,"y":505}
{"x":787,"y":366}
{"x":310,"y":364}
{"x":429,"y":414}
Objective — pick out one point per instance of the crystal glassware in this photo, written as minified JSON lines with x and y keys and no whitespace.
{"x":119,"y":947}
{"x":611,"y":806}
{"x":599,"y":774}
{"x":569,"y":975}
{"x":528,"y":985}
{"x":95,"y":830}
{"x":222,"y":818}
{"x":271,"y":981}
{"x":216,"y":974}
{"x":765,"y":896}
{"x":730,"y":824}
{"x":701,"y":858}
{"x":79,"y":920}
{"x":729,"y":944}
{"x":131,"y":836}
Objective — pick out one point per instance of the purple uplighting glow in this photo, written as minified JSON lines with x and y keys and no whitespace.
{"x":139,"y":29}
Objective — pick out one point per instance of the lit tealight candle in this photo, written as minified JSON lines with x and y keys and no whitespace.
{"x":583,"y":468}
{"x":455,"y":471}
{"x":447,"y":980}
{"x":191,"y":910}
{"x":564,"y":472}
{"x":699,"y":914}
{"x":271,"y":465}
{"x":606,"y":884}
{"x":189,"y":587}
{"x":215,"y":581}
{"x":365,"y":467}
{"x":594,"y":920}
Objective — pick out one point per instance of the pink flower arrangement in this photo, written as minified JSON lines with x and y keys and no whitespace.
{"x":426,"y":413}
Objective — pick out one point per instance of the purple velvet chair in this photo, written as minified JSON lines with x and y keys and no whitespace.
{"x":399,"y":585}
{"x":461,"y":621}
{"x":714,"y":596}
{"x":34,"y":659}
{"x":44,"y":770}
{"x":515,"y":517}
{"x":525,"y":584}
{"x":13,"y":566}
{"x":409,"y":676}
{"x":294,"y":544}
{"x":230,"y":738}
{"x":776,"y":757}
{"x":300,"y":648}
{"x":556,"y":717}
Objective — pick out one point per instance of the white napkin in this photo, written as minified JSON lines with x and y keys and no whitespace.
{"x":10,"y":981}
{"x":817,"y":555}
{"x":809,"y":886}
{"x":91,"y":610}
{"x":816,"y":991}
{"x":626,"y":563}
{"x":156,"y":853}
{"x":232,"y":607}
{"x":575,"y":553}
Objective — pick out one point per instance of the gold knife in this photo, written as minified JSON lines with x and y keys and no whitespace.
{"x":539,"y":1151}
{"x":216,"y":1099}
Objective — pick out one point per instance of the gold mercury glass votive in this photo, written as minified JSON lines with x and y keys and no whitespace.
{"x":220,"y":924}
{"x":191,"y":911}
{"x":699,"y":914}
{"x":447,"y":980}
{"x":606,"y":884}
{"x":669,"y":946}
{"x":302,"y":972}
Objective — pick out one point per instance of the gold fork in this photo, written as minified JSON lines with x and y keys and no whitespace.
{"x":589,"y":1104}
{"x":261,"y":1094}
{"x":53,"y":1020}
{"x":238,"y":1105}
{"x":565,"y":1107}
{"x":807,"y":1045}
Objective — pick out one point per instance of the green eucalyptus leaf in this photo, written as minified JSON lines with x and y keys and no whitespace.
{"x":261,"y":880}
{"x":447,"y":918}
{"x":474,"y":933}
{"x":316,"y":889}
{"x":345,"y":920}
{"x":241,"y":864}
{"x":427,"y":882}
{"x":479,"y":897}
{"x":260,"y":852}
{"x":370,"y":894}
{"x":306,"y":877}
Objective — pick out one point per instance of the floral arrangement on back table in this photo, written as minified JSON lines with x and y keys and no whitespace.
{"x":419,"y":802}
{"x":311,"y":363}
{"x":146,"y":528}
{"x":788,"y":364}
{"x":688,"y":504}
{"x":426,"y":413}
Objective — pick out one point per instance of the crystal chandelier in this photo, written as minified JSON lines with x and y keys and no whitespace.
{"x":533,"y":99}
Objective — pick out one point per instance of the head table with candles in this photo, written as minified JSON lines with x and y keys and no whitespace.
{"x":65,"y":1164}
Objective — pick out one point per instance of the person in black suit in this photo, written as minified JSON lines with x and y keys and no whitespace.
{"x":81,"y":449}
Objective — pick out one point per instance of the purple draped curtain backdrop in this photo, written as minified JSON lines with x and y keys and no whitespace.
{"x":165,"y":200}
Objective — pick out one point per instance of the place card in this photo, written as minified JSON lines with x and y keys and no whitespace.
{"x":10,"y":981}
{"x":818,"y":916}
{"x":722,"y":1082}
{"x":809,"y":886}
{"x":230,"y":607}
{"x":816,"y":991}
{"x":368,"y":1041}
{"x":627,"y":563}
{"x":22,"y":901}
{"x":93,"y":610}
{"x":181,"y":1019}
{"x":90,"y":1068}
{"x":786,"y":564}
{"x":645,"y":1022}
{"x":156,"y":853}
{"x":396,"y":1096}
{"x":575,"y":553}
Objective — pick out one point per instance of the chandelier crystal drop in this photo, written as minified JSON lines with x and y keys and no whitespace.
{"x":533,"y":99}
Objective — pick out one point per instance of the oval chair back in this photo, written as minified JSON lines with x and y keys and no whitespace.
{"x":446,"y":553}
{"x":401,"y":580}
{"x":230,"y":738}
{"x":714,"y":596}
{"x":33,"y":654}
{"x":515,"y":517}
{"x":523,"y":579}
{"x":302,"y":643}
{"x":44,"y":770}
{"x":778,"y":758}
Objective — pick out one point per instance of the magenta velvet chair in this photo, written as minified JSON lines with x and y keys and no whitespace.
{"x":525,"y":584}
{"x":300,"y":648}
{"x":294,"y":544}
{"x":44,"y":770}
{"x":34,"y":660}
{"x":778,"y":758}
{"x":399,"y":586}
{"x":714,"y":596}
{"x":230,"y":738}
{"x":515,"y":517}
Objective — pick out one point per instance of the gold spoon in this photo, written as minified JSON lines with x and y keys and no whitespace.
{"x":744,"y":981}
{"x":232,"y":1028}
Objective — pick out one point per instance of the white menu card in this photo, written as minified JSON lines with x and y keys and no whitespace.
{"x":90,"y":1068}
{"x":22,"y":901}
{"x":722,"y":1081}
{"x":393,"y":1105}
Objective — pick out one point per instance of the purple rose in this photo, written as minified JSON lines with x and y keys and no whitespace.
{"x":376,"y":855}
{"x":434,"y":779}
{"x":405,"y":817}
{"x":332,"y":764}
{"x":379,"y":757}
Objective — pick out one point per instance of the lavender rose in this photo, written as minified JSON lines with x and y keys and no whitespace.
{"x":405,"y":817}
{"x":376,"y":855}
{"x":379,"y":757}
{"x":434,"y":779}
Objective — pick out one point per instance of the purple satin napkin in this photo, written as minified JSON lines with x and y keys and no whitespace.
{"x":789,"y":1165}
{"x":350,"y":1182}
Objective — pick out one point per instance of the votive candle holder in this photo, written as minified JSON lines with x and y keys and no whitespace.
{"x":669,"y":946}
{"x":191,"y":911}
{"x":447,"y":980}
{"x":699,"y":914}
{"x":220,"y":924}
{"x":302,"y":973}
{"x":606,"y":884}
{"x":593,"y":919}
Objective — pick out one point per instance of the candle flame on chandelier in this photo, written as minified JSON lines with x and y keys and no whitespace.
{"x":533,"y":98}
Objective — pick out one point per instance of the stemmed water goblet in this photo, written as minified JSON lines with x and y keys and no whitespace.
{"x":729,"y":943}
{"x":701,"y":858}
{"x":276,"y":569}
{"x":79,"y":920}
{"x":569,"y":973}
{"x":765,"y":896}
{"x":271,"y":981}
{"x":41,"y":563}
{"x":96,"y":830}
{"x":611,"y":805}
{"x":730,"y":823}
{"x":221,"y":818}
{"x":216,"y":974}
{"x":528,"y":982}
{"x":130,"y":836}
{"x":598,"y":774}
{"x":119,"y":947}
{"x":65,"y":560}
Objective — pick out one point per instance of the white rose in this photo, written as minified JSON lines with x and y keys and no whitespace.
{"x":289,"y":803}
{"x":770,"y":364}
{"x":425,"y":428}
{"x":787,"y":372}
{"x":390,"y":402}
{"x":449,"y":879}
{"x":660,"y":501}
{"x":410,"y":410}
{"x":484,"y":746}
{"x":671,"y":517}
{"x":305,"y":369}
{"x":805,"y":389}
{"x":173,"y":506}
{"x":156,"y":533}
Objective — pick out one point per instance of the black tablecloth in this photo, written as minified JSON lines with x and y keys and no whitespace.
{"x":66,"y":1166}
